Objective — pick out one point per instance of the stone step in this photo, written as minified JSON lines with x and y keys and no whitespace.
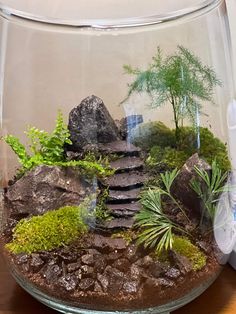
{"x":119,"y":223}
{"x":127,"y":164}
{"x":119,"y":196}
{"x":124,"y":210}
{"x":120,"y":148}
{"x":125,"y":180}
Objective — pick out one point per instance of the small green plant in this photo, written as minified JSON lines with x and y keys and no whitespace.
{"x":208,"y":187}
{"x":53,"y":229}
{"x":166,"y":158}
{"x":48,"y":149}
{"x":155,"y":225}
{"x":168,"y":178}
{"x":210,"y":148}
{"x":157,"y":228}
{"x":101,"y":213}
{"x":129,"y":236}
{"x":180,"y":79}
{"x":183,"y":246}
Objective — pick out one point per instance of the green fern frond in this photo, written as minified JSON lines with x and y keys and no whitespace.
{"x":18,"y":148}
{"x":48,"y":149}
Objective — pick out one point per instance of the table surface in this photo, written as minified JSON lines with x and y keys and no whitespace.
{"x":220,"y":298}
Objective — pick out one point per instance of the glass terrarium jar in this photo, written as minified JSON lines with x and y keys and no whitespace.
{"x":117,"y":189}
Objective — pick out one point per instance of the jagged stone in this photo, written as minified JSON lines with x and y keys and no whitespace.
{"x":104,"y":281}
{"x":120,"y":148}
{"x":36,"y":262}
{"x":116,"y":279}
{"x":182,"y":262}
{"x":131,"y":287}
{"x":91,"y":123}
{"x":173,"y":273}
{"x":88,"y":259}
{"x":124,"y":210}
{"x":122,"y":264}
{"x":86,"y":284}
{"x":72,"y":267}
{"x":126,"y":180}
{"x":46,"y":188}
{"x":127,"y":164}
{"x":102,"y":243}
{"x":181,"y":187}
{"x":133,"y":253}
{"x":22,"y":258}
{"x":51,"y":273}
{"x":68,"y":282}
{"x":116,"y":196}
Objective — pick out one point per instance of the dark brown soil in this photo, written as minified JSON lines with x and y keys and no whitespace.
{"x":107,"y":274}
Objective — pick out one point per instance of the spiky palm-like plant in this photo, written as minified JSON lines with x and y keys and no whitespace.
{"x":156,"y":228}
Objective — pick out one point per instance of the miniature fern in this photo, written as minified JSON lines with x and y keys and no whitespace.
{"x":50,"y":146}
{"x":48,"y":149}
{"x":18,"y":148}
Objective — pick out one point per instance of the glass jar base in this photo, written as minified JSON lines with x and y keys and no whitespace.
{"x":63,"y":307}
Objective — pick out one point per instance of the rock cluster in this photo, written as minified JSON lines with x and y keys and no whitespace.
{"x":103,"y":265}
{"x":92,"y":128}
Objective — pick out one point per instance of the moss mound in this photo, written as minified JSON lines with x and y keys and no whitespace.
{"x":184,"y":247}
{"x":166,"y":158}
{"x":210,"y":146}
{"x":49,"y":231}
{"x":151,"y":134}
{"x":163,"y":154}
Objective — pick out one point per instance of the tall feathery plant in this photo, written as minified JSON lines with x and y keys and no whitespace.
{"x":180,"y":79}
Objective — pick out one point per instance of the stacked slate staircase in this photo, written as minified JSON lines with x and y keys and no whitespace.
{"x":124,"y":185}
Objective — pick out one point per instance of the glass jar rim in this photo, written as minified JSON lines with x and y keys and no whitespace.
{"x":109,"y":23}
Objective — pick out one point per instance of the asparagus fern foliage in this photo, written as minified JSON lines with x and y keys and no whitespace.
{"x":180,"y":79}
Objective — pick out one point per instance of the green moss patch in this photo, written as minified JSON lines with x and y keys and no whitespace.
{"x":151,"y":134}
{"x":129,"y":236}
{"x":49,"y":231}
{"x":211,"y":147}
{"x":166,"y":158}
{"x":184,"y":247}
{"x":163,"y":154}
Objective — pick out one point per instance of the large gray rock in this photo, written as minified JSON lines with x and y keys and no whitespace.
{"x":91,"y":123}
{"x":46,"y":188}
{"x":181,"y":186}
